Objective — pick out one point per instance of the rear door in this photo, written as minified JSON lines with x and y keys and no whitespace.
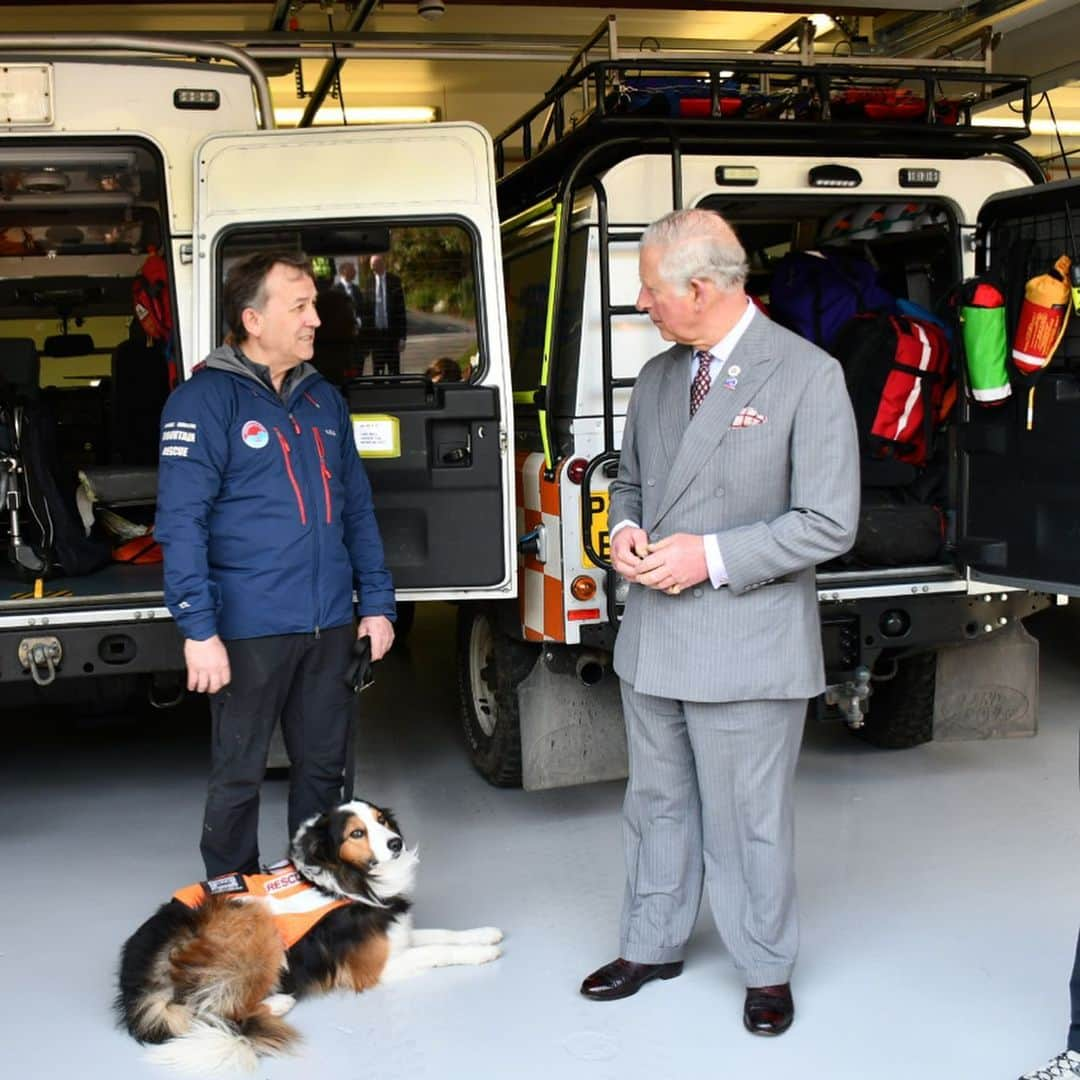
{"x":1020,"y":515}
{"x":422,"y":199}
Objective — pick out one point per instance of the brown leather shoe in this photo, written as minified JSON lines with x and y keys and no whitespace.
{"x":769,"y":1010}
{"x":621,"y":978}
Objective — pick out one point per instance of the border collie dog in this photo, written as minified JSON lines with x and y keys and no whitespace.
{"x":208,"y":977}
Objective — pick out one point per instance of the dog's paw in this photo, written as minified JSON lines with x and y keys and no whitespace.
{"x":484,"y":935}
{"x":279,"y":1004}
{"x":484,"y":954}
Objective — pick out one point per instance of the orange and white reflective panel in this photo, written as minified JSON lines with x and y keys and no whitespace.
{"x":540,"y":584}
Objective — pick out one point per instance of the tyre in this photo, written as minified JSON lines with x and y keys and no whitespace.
{"x":490,"y":667}
{"x":902,"y":703}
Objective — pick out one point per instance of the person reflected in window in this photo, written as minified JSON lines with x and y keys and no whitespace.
{"x":445,"y":369}
{"x":346,"y":283}
{"x":337,"y":338}
{"x":382,"y":318}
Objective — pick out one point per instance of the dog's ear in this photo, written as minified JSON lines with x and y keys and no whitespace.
{"x":317,"y":843}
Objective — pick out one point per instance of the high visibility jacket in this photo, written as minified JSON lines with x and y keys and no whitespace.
{"x":295,"y":904}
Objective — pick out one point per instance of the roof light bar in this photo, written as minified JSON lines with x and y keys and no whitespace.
{"x":835,"y":176}
{"x":737,"y":175}
{"x":920,"y":178}
{"x":193,"y":98}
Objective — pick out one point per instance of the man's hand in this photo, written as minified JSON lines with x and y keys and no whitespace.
{"x":381,"y":632}
{"x":675,"y":563}
{"x":207,"y":665}
{"x":628,"y":546}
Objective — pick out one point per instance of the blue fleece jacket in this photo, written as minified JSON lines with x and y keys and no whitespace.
{"x":264,"y":509}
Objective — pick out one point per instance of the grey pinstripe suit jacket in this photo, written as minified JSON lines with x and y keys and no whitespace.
{"x":782,"y":496}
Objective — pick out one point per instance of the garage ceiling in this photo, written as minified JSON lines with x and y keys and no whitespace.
{"x":490,"y":61}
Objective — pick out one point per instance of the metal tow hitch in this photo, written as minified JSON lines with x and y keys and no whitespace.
{"x":849,"y":697}
{"x":41,"y":656}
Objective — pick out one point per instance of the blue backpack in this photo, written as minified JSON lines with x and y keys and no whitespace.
{"x":815,"y":294}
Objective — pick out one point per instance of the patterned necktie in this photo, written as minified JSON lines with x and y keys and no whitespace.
{"x":380,"y":302}
{"x":702,"y":380}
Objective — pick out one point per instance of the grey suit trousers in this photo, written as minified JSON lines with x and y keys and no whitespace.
{"x":709,"y":801}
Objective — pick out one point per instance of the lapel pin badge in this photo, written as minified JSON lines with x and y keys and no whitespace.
{"x":731,"y":383}
{"x":734,"y":371}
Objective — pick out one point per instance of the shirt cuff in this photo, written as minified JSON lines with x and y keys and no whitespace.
{"x":624,"y":524}
{"x":718,"y":574}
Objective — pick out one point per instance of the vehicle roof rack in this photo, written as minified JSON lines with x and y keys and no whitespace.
{"x":770,"y":100}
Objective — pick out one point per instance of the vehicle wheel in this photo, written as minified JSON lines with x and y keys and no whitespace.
{"x":902,"y":706}
{"x":490,"y":667}
{"x":403,"y":624}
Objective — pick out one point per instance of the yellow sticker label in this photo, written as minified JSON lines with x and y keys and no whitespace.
{"x":377,"y":435}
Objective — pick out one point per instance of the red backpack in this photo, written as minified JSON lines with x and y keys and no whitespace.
{"x":898,"y":375}
{"x":150,"y":293}
{"x":153,"y":306}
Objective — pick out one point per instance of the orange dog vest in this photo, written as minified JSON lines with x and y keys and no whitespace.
{"x":295,"y":905}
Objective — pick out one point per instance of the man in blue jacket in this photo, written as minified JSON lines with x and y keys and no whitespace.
{"x":266,"y":519}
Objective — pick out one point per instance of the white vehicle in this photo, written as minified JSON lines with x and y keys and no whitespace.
{"x":105,"y":160}
{"x":617,"y":145}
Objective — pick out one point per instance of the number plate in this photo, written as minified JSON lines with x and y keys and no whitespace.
{"x":598,"y":534}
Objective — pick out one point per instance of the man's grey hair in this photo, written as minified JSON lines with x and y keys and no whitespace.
{"x":697,"y":244}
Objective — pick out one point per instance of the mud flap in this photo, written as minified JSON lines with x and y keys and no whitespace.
{"x":988,"y":689}
{"x":570,"y":733}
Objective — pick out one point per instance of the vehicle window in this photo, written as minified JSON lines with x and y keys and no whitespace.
{"x":526,"y":273}
{"x":79,"y":220}
{"x":424,"y":323}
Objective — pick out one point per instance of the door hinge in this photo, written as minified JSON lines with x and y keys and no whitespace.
{"x":187,"y":254}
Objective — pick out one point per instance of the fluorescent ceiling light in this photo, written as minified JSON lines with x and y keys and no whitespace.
{"x":290,"y":116}
{"x":1038,"y":127}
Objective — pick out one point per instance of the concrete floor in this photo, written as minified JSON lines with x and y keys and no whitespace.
{"x":938,"y":890}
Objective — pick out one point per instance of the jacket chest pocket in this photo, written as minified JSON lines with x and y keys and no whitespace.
{"x":751,"y":445}
{"x":750,"y":459}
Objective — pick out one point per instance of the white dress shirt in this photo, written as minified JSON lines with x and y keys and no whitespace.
{"x":721,"y":353}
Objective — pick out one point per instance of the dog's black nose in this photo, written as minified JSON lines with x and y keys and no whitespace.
{"x":394,"y":844}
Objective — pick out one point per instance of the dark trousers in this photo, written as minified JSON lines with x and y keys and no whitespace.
{"x":1074,"y":994}
{"x":385,"y":357}
{"x":299,"y":678}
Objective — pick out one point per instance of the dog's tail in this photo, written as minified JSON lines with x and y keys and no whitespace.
{"x":213,"y":1046}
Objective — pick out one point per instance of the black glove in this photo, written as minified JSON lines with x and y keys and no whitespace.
{"x":358,"y":675}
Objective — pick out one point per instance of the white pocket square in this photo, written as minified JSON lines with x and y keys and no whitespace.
{"x":748,"y":417}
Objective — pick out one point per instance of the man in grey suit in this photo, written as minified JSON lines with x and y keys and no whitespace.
{"x":738,"y":474}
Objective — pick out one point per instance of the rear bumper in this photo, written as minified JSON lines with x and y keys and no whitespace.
{"x":135,"y":647}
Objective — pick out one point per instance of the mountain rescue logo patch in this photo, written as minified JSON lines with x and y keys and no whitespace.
{"x":254,"y":434}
